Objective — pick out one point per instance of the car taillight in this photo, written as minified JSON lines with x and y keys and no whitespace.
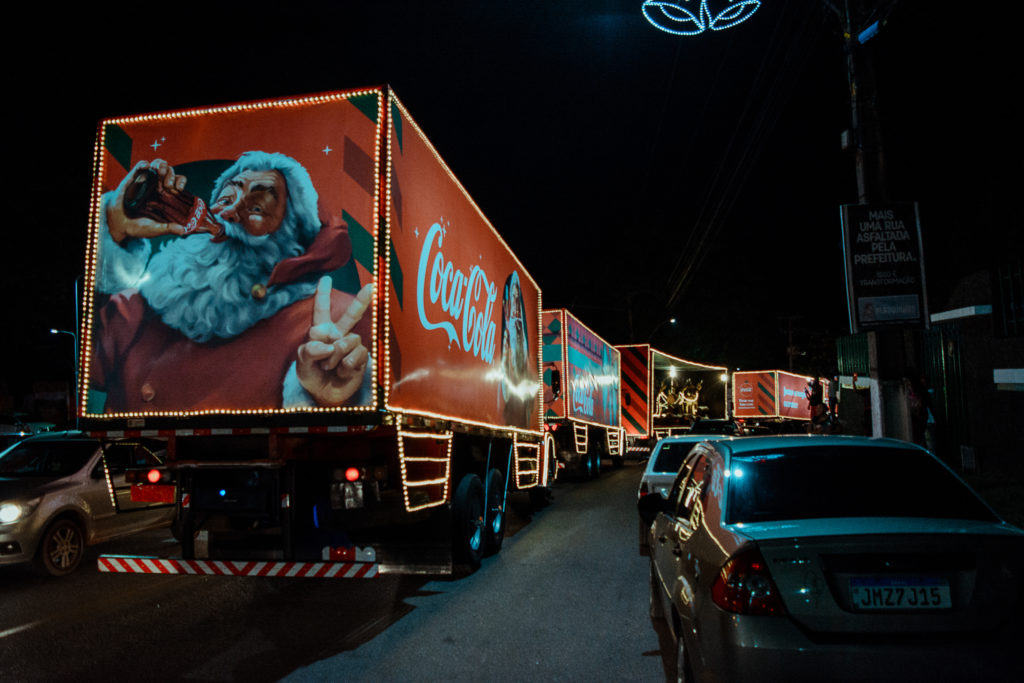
{"x":154,"y":475}
{"x":643,"y":489}
{"x":744,"y":585}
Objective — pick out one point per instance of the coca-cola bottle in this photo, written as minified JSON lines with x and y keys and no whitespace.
{"x":146,"y":197}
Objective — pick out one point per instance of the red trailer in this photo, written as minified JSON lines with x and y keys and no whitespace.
{"x":340,"y":351}
{"x":663,"y":395}
{"x":773,"y":394}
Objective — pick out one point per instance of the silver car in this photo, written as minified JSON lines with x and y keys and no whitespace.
{"x":833,"y":558}
{"x":60,"y":492}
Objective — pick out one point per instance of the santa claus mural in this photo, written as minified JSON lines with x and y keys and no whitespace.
{"x":234,"y":315}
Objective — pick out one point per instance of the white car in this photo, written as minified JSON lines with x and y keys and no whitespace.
{"x":833,"y":558}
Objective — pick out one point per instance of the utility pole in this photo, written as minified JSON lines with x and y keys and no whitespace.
{"x":888,"y":350}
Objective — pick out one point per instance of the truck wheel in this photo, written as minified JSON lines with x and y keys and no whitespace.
{"x":595,"y":465}
{"x":61,"y":548}
{"x":586,"y":465}
{"x":468,"y":517}
{"x":495,"y":522}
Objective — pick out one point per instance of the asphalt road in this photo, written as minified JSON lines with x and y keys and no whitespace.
{"x":566,"y":599}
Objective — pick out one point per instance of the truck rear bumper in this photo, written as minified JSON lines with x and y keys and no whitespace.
{"x":128,"y":564}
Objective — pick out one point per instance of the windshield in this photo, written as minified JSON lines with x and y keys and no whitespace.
{"x":823,"y":481}
{"x":709,"y":427}
{"x":670,"y":457}
{"x":46,"y":458}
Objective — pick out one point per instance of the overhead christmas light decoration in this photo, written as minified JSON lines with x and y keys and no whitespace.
{"x":691,"y":17}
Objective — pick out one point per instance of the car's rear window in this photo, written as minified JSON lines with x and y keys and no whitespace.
{"x":46,"y":458}
{"x":670,"y":457}
{"x":816,"y":482}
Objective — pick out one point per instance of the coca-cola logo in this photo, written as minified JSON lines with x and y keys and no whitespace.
{"x":746,"y":388}
{"x":583,"y":389}
{"x":466,"y":301}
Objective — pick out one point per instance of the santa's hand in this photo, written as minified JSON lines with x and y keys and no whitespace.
{"x":331,"y":365}
{"x":122,"y":227}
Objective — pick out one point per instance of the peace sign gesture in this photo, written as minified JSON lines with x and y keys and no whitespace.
{"x":331,"y":365}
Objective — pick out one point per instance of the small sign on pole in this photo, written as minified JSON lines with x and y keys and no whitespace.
{"x":885,"y":281}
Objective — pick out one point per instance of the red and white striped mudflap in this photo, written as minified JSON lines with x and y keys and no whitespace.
{"x":121,"y":564}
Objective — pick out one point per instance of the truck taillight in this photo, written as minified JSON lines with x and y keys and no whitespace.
{"x":352,"y":474}
{"x":154,"y":475}
{"x":744,"y":586}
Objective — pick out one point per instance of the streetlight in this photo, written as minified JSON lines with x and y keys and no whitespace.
{"x":74,"y":361}
{"x":670,"y":321}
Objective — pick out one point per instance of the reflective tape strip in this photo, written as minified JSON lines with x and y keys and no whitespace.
{"x":154,"y":565}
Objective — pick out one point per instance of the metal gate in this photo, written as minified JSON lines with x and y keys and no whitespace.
{"x":942,"y":363}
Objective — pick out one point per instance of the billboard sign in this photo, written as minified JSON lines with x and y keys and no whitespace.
{"x":884,"y":266}
{"x":230,"y":264}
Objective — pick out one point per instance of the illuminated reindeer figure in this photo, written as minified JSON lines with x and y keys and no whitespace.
{"x":688,"y":398}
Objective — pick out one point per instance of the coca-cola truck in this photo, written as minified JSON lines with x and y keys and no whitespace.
{"x":775,"y":395}
{"x":581,"y":396}
{"x":664,"y":395}
{"x":338,"y":349}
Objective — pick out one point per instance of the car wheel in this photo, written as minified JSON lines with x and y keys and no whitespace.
{"x":61,"y":548}
{"x":468,"y":517}
{"x":655,"y":610}
{"x":683,"y":671}
{"x":495,"y":521}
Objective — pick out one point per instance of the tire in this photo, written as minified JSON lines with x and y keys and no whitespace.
{"x":495,"y":519}
{"x":468,"y":533}
{"x":655,"y":609}
{"x":587,"y":467}
{"x":683,"y":671}
{"x":595,"y":464}
{"x":61,"y":548}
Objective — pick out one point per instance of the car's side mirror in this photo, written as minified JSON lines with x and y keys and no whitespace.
{"x":650,"y":505}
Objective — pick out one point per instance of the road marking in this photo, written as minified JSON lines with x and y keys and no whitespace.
{"x":19,"y":629}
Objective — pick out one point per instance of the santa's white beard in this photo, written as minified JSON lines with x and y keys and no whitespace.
{"x":204,"y":289}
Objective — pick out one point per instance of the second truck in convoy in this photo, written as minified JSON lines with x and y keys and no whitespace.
{"x":581,"y":396}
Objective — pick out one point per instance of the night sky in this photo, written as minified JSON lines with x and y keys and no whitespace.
{"x":638,"y":175}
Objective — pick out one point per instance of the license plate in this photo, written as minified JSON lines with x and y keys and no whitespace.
{"x":899,"y":593}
